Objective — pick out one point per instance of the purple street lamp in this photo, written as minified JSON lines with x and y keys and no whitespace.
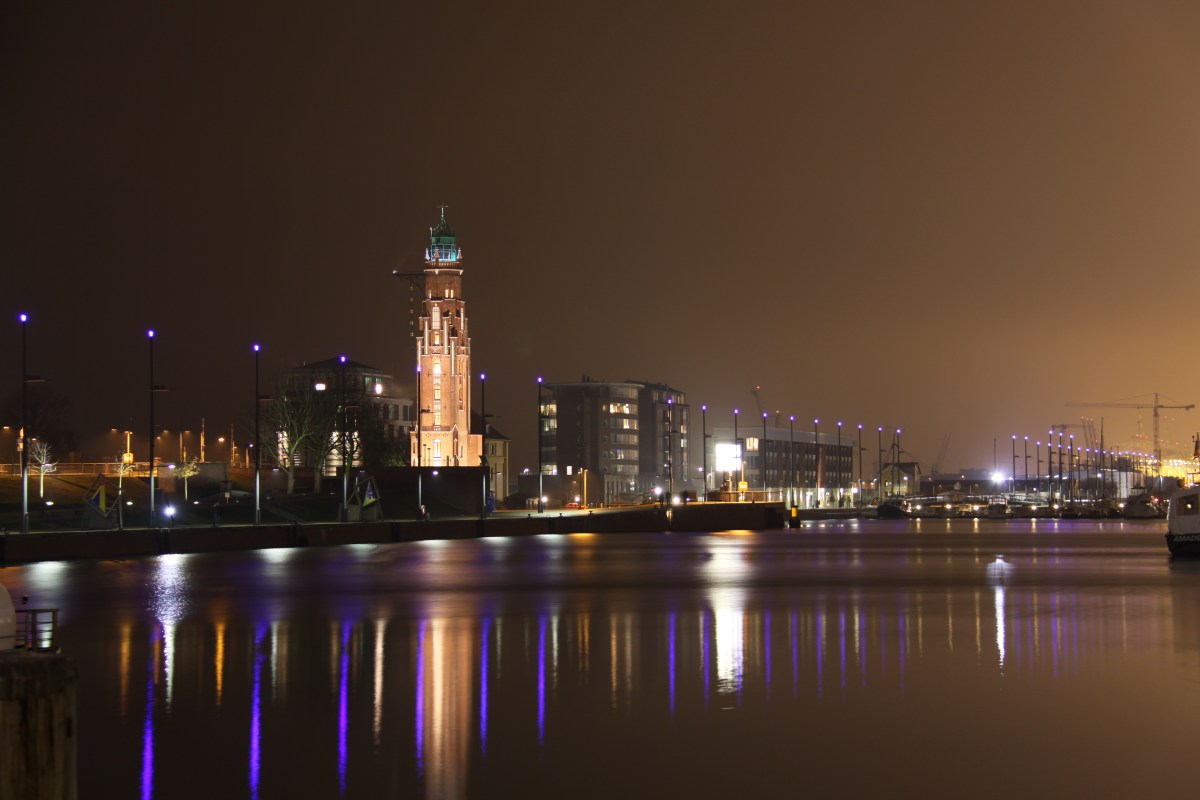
{"x":538,"y":443}
{"x":23,"y":440}
{"x":150,"y":339}
{"x":257,"y":446}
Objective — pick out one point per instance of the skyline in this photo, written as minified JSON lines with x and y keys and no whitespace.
{"x":949,"y":220}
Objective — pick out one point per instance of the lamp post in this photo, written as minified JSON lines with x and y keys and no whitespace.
{"x":1012,"y":482}
{"x":858,"y":498}
{"x":483,"y":442}
{"x":150,"y":338}
{"x":704,"y":442}
{"x":762,"y":455}
{"x":838,"y":458}
{"x":737,"y":445}
{"x":1025,"y":448}
{"x":670,"y":462}
{"x":23,"y":439}
{"x":538,"y":443}
{"x":1037,"y":463}
{"x":879,"y":478}
{"x":257,"y":446}
{"x":817,"y":462}
{"x":792,"y":460}
{"x":342,"y":437}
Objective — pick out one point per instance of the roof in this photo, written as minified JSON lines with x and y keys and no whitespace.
{"x":332,"y":364}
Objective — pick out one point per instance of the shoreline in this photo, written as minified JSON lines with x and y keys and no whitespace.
{"x":26,"y":548}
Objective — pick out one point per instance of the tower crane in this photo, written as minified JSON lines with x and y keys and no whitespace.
{"x":1156,"y":405}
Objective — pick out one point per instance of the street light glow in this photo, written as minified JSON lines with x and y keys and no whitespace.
{"x":24,"y":317}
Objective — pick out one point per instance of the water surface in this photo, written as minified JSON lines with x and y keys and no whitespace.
{"x":883,"y":658}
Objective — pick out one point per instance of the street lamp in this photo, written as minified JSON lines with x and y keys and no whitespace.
{"x":257,"y":447}
{"x":538,"y":444}
{"x":792,"y":460}
{"x":839,"y":464}
{"x":487,"y":489}
{"x":1026,"y":454}
{"x":670,"y":461}
{"x":23,"y":441}
{"x":858,"y":498}
{"x":704,"y":448}
{"x":1012,"y":482}
{"x":345,"y":454}
{"x":762,"y":456}
{"x":817,"y":462}
{"x":738,"y":447}
{"x":150,"y":339}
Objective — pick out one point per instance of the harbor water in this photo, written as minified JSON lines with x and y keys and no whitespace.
{"x":1032,"y":658}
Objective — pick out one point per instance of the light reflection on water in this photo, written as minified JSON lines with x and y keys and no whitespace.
{"x":450,"y":668}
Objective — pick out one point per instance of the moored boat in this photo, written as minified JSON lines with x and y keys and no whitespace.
{"x":892,"y":508}
{"x":1183,"y":522}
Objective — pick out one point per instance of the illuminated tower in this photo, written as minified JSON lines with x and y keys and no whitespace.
{"x":443,"y":433}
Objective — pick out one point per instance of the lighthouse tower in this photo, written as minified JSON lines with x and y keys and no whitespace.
{"x":442,"y":436}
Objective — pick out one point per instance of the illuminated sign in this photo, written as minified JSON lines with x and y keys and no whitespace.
{"x":729,"y":456}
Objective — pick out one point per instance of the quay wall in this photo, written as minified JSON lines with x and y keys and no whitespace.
{"x":20,"y":548}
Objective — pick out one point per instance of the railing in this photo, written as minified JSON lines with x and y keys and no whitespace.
{"x":37,"y":630}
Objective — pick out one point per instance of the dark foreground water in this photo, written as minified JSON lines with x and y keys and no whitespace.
{"x":964,"y":659}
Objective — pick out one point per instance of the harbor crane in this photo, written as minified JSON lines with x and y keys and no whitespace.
{"x":1156,"y":405}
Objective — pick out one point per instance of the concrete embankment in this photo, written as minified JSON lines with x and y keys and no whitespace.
{"x":19,"y":548}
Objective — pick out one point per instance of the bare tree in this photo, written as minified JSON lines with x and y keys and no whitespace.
{"x":298,"y":424}
{"x":188,"y":469}
{"x":39,"y":454}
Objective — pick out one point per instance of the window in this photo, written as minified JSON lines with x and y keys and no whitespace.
{"x":437,"y":391}
{"x":436,"y":317}
{"x":437,"y":366}
{"x":1189,"y":505}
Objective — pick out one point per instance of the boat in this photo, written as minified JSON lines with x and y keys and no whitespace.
{"x":892,"y":508}
{"x":1183,"y":522}
{"x":998,"y":510}
{"x":1139,"y":505}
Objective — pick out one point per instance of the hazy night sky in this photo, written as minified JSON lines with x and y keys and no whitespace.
{"x":951,"y":217}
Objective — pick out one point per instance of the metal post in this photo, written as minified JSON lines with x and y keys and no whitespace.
{"x":670,"y":460}
{"x":858,"y":500}
{"x":150,"y":337}
{"x":817,"y":462}
{"x":738,"y":447}
{"x":345,"y":455}
{"x":1012,"y":483}
{"x":23,"y":441}
{"x":487,"y":469}
{"x":792,"y":460}
{"x":538,"y":443}
{"x":879,"y":478}
{"x":1026,"y":451}
{"x":704,"y":442}
{"x":762,"y":456}
{"x":838,"y":457}
{"x":257,"y":444}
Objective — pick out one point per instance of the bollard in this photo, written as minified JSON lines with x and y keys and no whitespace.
{"x":37,"y":726}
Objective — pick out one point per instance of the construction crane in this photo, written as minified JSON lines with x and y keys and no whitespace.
{"x":1156,"y":405}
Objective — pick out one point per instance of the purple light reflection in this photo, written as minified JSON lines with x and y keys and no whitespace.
{"x":419,"y":717}
{"x":148,"y":725}
{"x":671,"y":658}
{"x":483,"y":686}
{"x":541,"y":682}
{"x":343,"y":704}
{"x":256,"y":714}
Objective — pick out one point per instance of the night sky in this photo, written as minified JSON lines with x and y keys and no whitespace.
{"x":950,"y":217}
